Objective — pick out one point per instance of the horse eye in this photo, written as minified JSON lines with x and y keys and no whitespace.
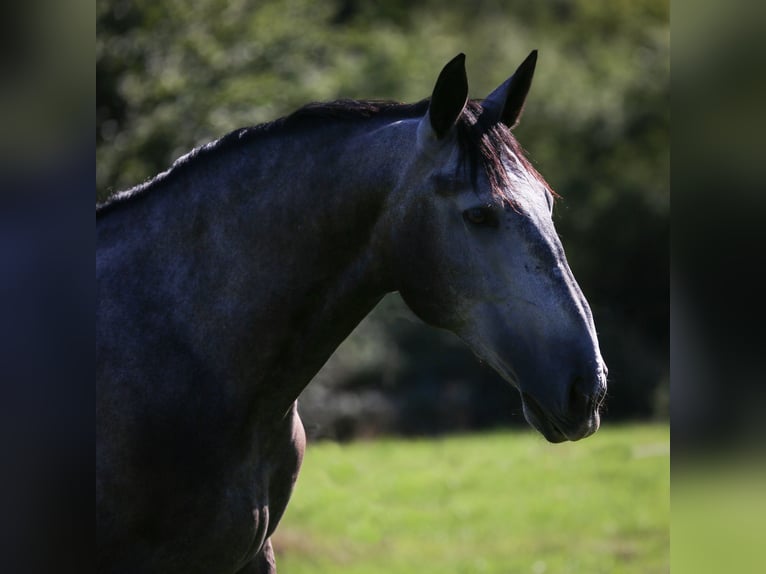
{"x":478,"y":215}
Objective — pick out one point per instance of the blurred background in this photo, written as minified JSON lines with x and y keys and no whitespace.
{"x":175,"y":74}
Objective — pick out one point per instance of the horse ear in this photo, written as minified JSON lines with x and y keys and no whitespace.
{"x":506,"y":103}
{"x":449,"y":96}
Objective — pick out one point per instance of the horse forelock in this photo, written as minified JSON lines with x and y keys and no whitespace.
{"x":491,"y":147}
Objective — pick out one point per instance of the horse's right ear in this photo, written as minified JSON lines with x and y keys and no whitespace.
{"x":449,"y":96}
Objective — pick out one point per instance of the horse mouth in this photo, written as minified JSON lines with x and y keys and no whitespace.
{"x":553,"y":430}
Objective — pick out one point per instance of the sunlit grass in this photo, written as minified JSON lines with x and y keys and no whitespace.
{"x":499,"y":502}
{"x":719,"y":514}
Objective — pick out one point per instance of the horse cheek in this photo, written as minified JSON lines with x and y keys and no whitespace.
{"x":428,"y":288}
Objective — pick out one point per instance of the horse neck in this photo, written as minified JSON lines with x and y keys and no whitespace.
{"x":275,"y":253}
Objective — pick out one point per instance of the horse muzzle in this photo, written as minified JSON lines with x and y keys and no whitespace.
{"x":578,"y":418}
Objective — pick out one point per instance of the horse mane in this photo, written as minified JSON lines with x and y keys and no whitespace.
{"x":346,"y":109}
{"x":481,"y":143}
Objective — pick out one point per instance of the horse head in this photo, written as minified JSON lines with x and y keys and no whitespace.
{"x":477,"y":254}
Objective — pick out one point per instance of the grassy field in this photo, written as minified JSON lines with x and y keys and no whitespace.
{"x":502,"y":502}
{"x":719,"y":512}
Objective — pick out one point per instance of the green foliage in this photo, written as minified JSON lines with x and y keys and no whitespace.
{"x":172,"y":75}
{"x":502,"y":502}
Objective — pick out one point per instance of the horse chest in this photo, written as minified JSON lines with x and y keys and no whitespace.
{"x":264,"y":483}
{"x":200,"y":522}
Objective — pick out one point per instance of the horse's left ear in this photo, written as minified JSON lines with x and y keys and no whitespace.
{"x":506,"y":103}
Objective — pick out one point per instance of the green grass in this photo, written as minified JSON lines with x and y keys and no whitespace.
{"x":499,"y":502}
{"x":719,"y":513}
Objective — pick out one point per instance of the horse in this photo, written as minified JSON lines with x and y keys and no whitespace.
{"x":225,"y":282}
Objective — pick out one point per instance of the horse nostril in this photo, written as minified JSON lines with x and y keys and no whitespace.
{"x":579,"y":402}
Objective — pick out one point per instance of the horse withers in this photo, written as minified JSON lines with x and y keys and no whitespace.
{"x":226,"y":282}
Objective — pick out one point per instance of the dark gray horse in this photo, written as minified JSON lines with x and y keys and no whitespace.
{"x":227,"y":281}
